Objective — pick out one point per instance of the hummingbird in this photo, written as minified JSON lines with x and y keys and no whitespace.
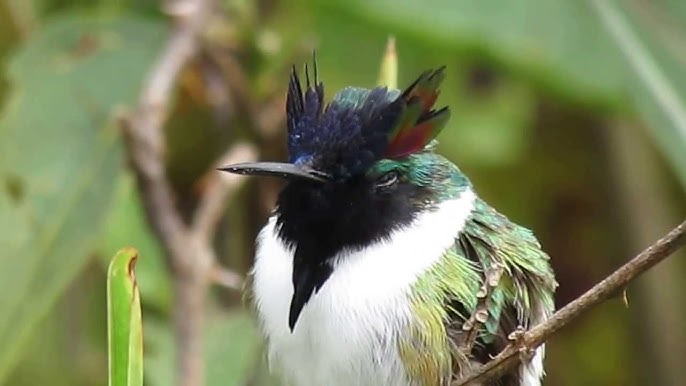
{"x":379,"y":264}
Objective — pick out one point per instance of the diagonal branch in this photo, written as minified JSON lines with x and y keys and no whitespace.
{"x":189,"y":253}
{"x":219,"y":187}
{"x":611,"y":285}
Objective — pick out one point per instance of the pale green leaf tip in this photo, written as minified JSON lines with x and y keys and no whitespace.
{"x":388,"y":74}
{"x":125,"y":257}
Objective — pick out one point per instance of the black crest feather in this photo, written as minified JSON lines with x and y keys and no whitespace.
{"x":345,"y":137}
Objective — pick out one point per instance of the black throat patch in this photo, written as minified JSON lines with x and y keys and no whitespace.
{"x":319,"y":220}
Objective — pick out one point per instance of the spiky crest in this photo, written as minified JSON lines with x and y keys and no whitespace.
{"x":360,"y":126}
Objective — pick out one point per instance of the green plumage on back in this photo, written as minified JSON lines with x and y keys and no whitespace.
{"x":515,"y":248}
{"x":495,"y":266}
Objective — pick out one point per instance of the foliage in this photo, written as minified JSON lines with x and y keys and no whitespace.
{"x":124,"y":324}
{"x":60,"y":157}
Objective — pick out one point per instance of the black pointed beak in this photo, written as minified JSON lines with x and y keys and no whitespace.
{"x":276,"y":169}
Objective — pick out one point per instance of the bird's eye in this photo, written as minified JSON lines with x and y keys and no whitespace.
{"x":387,"y":180}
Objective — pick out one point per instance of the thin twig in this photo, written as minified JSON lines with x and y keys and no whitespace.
{"x":266,"y":117}
{"x":218,"y":189}
{"x":226,"y":278}
{"x":611,"y":285}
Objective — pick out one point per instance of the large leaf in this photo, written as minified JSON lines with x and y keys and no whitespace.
{"x":558,"y":43}
{"x":563,"y":47}
{"x":489,"y":126}
{"x":59,"y":158}
{"x":656,"y":61}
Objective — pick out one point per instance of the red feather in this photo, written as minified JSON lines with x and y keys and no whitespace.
{"x":419,"y":124}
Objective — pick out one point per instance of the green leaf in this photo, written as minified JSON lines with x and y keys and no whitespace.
{"x":564,"y":47}
{"x":657,"y":63}
{"x":556,"y":43}
{"x":124,"y":324}
{"x":493,"y":129}
{"x":60,"y":158}
{"x":489,"y":126}
{"x":126,"y":225}
{"x":388,"y":73}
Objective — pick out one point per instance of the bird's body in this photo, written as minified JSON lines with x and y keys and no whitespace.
{"x":350,"y":332}
{"x":380,"y":265}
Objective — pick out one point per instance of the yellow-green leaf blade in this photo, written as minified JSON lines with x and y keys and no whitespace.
{"x":388,"y":73}
{"x":124,"y":324}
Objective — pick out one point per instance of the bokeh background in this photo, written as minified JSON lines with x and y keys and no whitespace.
{"x":569,"y":116}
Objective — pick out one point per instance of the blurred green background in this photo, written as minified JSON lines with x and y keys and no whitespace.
{"x":566,"y":121}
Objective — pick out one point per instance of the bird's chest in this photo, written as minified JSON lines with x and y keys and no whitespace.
{"x":347,"y":333}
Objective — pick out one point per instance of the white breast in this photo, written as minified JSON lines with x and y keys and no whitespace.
{"x":347,"y":333}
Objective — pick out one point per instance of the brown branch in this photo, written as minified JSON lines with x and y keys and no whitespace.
{"x":611,"y":285}
{"x":211,"y":207}
{"x":219,"y":188}
{"x":188,"y":253}
{"x":226,"y":278}
{"x":266,"y":117}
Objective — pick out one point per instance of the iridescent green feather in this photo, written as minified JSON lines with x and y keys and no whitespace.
{"x":355,"y":97}
{"x":501,"y":241}
{"x":524,"y":291}
{"x":427,"y":169}
{"x":428,"y":353}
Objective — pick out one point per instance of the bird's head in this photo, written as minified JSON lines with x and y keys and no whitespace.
{"x":377,"y":137}
{"x":360,"y":168}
